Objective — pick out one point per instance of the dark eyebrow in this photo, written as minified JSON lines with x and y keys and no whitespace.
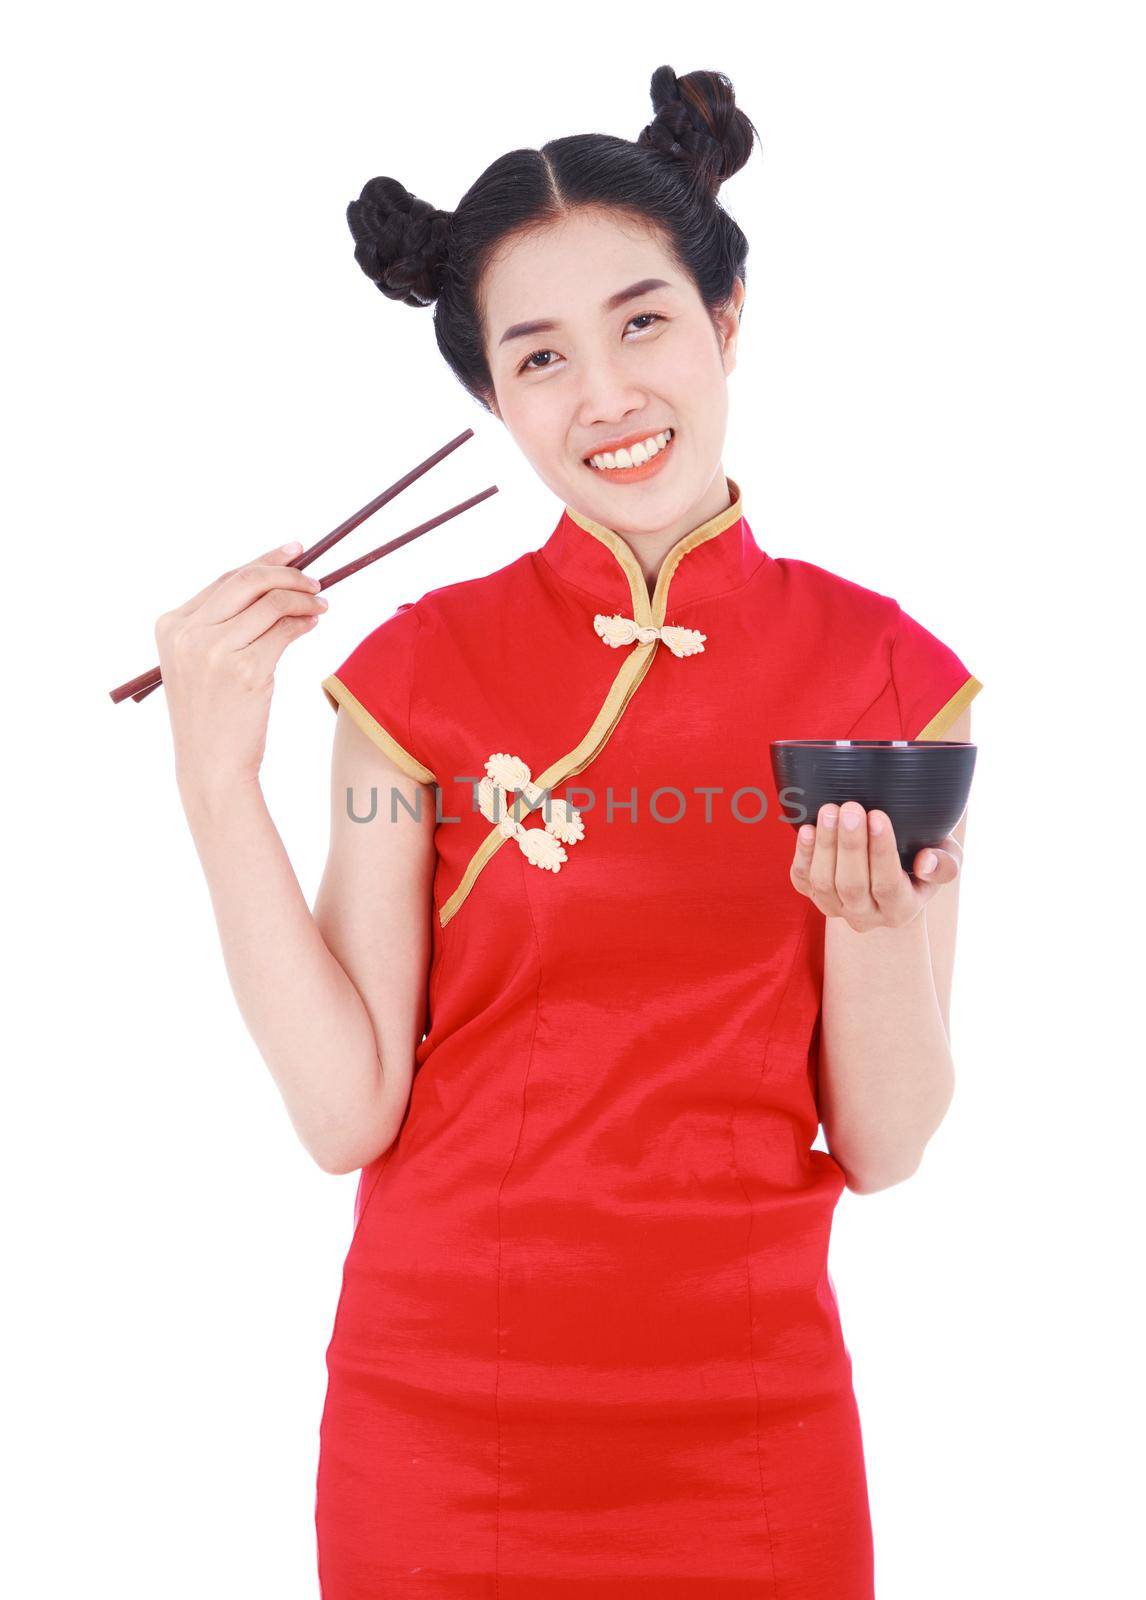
{"x":524,"y":330}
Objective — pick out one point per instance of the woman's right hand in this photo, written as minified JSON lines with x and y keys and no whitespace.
{"x":218,"y":654}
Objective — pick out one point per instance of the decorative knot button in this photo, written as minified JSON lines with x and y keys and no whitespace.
{"x":541,"y":846}
{"x":618,"y":630}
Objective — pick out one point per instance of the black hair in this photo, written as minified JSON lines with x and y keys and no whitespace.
{"x":667,"y":178}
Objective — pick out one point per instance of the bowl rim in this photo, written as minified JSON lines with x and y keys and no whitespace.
{"x":872,"y":744}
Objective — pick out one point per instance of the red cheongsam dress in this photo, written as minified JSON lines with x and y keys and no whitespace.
{"x":587,"y":1345}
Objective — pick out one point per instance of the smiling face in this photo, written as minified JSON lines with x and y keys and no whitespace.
{"x":609,"y":368}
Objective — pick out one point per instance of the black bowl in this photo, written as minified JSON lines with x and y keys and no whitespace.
{"x":922,"y":784}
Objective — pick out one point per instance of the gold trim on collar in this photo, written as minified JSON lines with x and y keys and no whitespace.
{"x":651,"y":613}
{"x":648,"y":613}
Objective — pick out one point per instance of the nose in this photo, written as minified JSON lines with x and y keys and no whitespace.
{"x":609,"y":394}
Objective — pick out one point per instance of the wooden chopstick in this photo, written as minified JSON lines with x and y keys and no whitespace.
{"x":140,"y":687}
{"x":155,"y":678}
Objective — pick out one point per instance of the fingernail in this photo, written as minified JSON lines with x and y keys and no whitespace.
{"x":875,"y":824}
{"x":850,"y":820}
{"x":807,"y":834}
{"x":831,"y":816}
{"x":321,"y":600}
{"x":928,"y":862}
{"x":293,"y":548}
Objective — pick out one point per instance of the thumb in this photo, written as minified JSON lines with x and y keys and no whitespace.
{"x":935,"y":866}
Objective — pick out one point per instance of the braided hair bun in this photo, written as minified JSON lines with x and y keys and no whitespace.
{"x":400,"y":242}
{"x":698,"y":125}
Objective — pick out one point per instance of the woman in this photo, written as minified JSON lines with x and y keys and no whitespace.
{"x":572,"y":997}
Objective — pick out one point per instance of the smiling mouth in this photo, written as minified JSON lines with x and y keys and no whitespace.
{"x":633,"y":456}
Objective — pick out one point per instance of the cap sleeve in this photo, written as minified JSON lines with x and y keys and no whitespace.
{"x":374,"y":685}
{"x":932,"y":685}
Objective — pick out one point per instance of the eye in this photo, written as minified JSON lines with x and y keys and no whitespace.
{"x":527,"y":364}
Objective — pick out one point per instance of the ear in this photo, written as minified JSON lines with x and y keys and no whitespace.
{"x":728,"y":325}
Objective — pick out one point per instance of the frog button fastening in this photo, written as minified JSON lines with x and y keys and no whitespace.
{"x":618,"y":630}
{"x":541,"y":846}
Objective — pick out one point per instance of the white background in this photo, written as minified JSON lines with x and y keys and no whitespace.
{"x":940,"y":395}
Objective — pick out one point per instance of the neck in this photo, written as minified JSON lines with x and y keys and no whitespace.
{"x":706,"y":558}
{"x":650,"y":549}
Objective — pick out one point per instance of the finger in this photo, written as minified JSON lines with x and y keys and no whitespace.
{"x":853,"y":882}
{"x":952,"y":847}
{"x":935,"y":865}
{"x":802,"y":859}
{"x":265,"y":651}
{"x":822,"y":871}
{"x":237,"y":632}
{"x":281,"y":554}
{"x":242,"y":588}
{"x":889,"y":882}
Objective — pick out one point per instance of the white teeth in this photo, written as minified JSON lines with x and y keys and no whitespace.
{"x":635,"y":456}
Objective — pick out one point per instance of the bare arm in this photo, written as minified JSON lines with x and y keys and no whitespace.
{"x":942,"y":913}
{"x":334,"y":1000}
{"x":342,"y":1055}
{"x":886,"y":1071}
{"x":374,"y":909}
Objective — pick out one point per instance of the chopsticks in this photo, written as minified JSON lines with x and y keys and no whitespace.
{"x":140,"y":687}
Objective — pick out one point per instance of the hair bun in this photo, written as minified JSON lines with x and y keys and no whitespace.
{"x":699,"y":125}
{"x":400,"y":242}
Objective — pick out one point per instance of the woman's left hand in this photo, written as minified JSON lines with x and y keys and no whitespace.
{"x":854,"y":871}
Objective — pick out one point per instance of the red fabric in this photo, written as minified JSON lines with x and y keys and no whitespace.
{"x":587,"y":1343}
{"x":926,"y":674}
{"x":380,"y":673}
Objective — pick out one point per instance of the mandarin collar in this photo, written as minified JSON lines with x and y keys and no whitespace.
{"x":717,"y":556}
